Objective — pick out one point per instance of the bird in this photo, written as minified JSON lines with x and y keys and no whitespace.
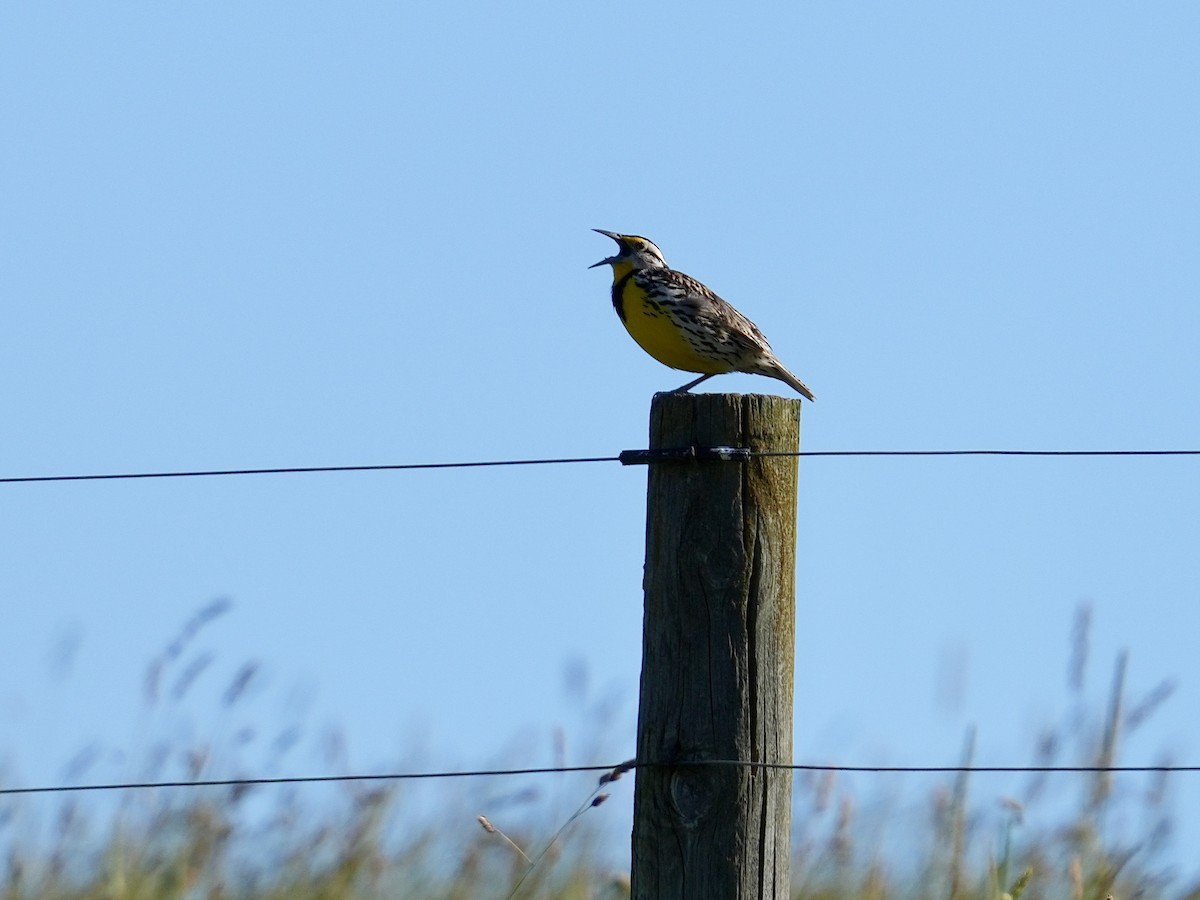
{"x":682,"y":323}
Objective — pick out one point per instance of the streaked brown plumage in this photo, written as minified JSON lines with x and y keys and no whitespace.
{"x":682,"y":323}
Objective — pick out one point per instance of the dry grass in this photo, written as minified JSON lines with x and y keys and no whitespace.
{"x":369,"y":840}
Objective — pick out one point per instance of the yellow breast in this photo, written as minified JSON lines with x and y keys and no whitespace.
{"x":660,"y":334}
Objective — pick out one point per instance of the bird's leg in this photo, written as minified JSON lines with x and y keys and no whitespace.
{"x":691,"y":384}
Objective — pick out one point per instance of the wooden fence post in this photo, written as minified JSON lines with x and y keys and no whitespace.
{"x":717,"y":653}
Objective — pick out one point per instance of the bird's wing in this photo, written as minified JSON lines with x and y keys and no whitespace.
{"x":699,"y":302}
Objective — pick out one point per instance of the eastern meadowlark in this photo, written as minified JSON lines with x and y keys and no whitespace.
{"x":682,"y":323}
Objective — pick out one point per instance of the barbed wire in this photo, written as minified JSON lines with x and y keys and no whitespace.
{"x":618,"y":767}
{"x":627,"y":457}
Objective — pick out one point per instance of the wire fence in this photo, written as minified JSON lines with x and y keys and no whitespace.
{"x":626,"y":457}
{"x":626,"y":766}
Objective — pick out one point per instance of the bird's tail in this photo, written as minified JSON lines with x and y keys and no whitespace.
{"x":777,"y":370}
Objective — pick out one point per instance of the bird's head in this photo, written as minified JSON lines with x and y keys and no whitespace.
{"x":633,"y":252}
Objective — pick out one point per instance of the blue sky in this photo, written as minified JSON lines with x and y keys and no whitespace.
{"x":281,"y":235}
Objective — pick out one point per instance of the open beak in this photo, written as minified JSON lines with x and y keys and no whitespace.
{"x":609,"y":259}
